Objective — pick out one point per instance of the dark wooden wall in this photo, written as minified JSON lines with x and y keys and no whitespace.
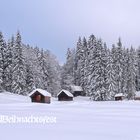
{"x":63,"y":97}
{"x":118,"y":98}
{"x":77,"y":93}
{"x":39,"y":98}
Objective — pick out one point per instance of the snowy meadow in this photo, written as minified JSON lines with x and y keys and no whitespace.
{"x":78,"y":120}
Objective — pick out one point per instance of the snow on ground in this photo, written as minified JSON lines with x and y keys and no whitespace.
{"x":8,"y":97}
{"x":80,"y":119}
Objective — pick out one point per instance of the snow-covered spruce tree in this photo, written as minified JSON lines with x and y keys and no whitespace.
{"x":125,"y":71}
{"x":43,"y":71}
{"x":85,"y":84}
{"x":118,"y":63}
{"x":105,"y":56}
{"x":35,"y":61}
{"x":77,"y":62}
{"x":138,"y":69}
{"x":111,"y":81}
{"x":131,"y":85}
{"x":83,"y":57}
{"x":93,"y":66}
{"x":89,"y":64}
{"x":68,"y":71}
{"x":29,"y":78}
{"x":98,"y":75}
{"x":3,"y":62}
{"x":19,"y":70}
{"x":9,"y":68}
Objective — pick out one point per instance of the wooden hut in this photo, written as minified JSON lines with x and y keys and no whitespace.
{"x":76,"y":90}
{"x":64,"y":95}
{"x":119,"y":97}
{"x":40,"y":96}
{"x":137,"y":96}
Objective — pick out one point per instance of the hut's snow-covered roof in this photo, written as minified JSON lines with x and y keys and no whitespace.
{"x":119,"y":95}
{"x":66,"y":92}
{"x":41,"y":91}
{"x":76,"y":88}
{"x":137,"y":94}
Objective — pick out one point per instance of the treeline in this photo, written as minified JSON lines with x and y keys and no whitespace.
{"x":23,"y":68}
{"x":102,"y":71}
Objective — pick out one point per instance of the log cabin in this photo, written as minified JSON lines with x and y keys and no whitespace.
{"x":65,"y":95}
{"x":137,"y":95}
{"x":76,"y":90}
{"x":119,"y":97}
{"x":40,"y":96}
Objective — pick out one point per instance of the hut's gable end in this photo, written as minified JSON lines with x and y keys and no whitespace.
{"x":119,"y":97}
{"x":65,"y":96}
{"x":40,"y":96}
{"x":41,"y":91}
{"x":77,"y":90}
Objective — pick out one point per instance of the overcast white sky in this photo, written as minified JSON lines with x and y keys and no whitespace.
{"x":57,"y":24}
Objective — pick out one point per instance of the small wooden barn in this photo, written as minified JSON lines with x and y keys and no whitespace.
{"x":65,"y":95}
{"x":76,"y":90}
{"x":119,"y":97}
{"x":137,"y":96}
{"x":40,"y":96}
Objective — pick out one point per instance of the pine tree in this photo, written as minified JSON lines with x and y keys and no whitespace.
{"x":82,"y":64}
{"x":3,"y":61}
{"x":138,"y":70}
{"x":43,"y":70}
{"x":89,"y":64}
{"x":68,"y":70}
{"x":19,"y":80}
{"x":29,"y":78}
{"x":98,"y":78}
{"x":10,"y":55}
{"x":77,"y":58}
{"x":111,"y":81}
{"x":119,"y":66}
{"x":131,"y":87}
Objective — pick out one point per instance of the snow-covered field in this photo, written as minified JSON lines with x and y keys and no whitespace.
{"x":80,"y":119}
